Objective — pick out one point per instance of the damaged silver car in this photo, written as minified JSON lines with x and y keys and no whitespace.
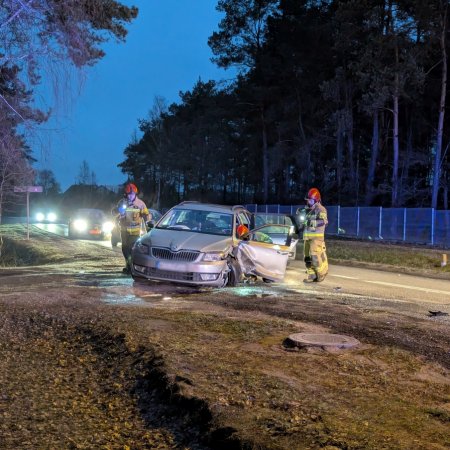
{"x":199,"y":244}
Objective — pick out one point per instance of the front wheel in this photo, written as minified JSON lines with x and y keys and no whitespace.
{"x":234,"y":275}
{"x":138,"y":279}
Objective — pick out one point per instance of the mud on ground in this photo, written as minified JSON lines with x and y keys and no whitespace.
{"x":89,"y":359}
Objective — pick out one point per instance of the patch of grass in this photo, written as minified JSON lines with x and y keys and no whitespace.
{"x":16,"y":251}
{"x":440,"y":414}
{"x":43,"y":248}
{"x":366,"y":398}
{"x":233,"y":329}
{"x":393,"y":255}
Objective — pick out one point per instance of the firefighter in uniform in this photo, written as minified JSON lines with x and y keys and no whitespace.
{"x":133,"y":215}
{"x":315,"y":221}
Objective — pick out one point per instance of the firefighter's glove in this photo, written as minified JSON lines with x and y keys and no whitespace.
{"x":312,"y":223}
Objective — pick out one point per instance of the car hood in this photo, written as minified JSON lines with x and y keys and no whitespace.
{"x":187,"y":240}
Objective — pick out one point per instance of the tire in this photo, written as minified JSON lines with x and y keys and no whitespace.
{"x":234,"y":275}
{"x":138,"y":279}
{"x":115,"y":238}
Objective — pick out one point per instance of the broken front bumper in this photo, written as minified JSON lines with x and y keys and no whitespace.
{"x":204,"y":273}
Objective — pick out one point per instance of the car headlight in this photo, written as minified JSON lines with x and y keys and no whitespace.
{"x":51,"y":217}
{"x":107,"y":227}
{"x":142,"y":248}
{"x":40,"y":217}
{"x":213,"y":256}
{"x":80,"y":225}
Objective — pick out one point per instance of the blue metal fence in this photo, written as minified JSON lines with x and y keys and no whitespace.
{"x":412,"y":225}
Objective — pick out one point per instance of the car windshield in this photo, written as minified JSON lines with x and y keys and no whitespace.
{"x":91,"y":214}
{"x":156,"y":215}
{"x":196,"y":221}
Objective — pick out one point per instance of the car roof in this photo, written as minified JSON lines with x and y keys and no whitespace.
{"x":88,"y":211}
{"x":211,"y":207}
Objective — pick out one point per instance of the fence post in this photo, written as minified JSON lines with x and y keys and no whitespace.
{"x":357,"y":222}
{"x":404,"y":224}
{"x":380,"y":222}
{"x":432,"y":225}
{"x":278,"y":209}
{"x":338,"y":219}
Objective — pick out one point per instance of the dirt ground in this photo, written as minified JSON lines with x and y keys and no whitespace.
{"x":90,"y":359}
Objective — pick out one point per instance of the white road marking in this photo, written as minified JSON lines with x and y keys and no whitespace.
{"x":404,"y":286}
{"x":321,"y":293}
{"x":343,"y":276}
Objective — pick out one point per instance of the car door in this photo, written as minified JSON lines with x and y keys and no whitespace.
{"x":264,"y":251}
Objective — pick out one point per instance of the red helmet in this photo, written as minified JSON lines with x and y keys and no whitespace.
{"x":313,"y":194}
{"x":241,"y":230}
{"x":130,"y":187}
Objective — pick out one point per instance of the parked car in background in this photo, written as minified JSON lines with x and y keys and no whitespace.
{"x":198,"y":244}
{"x":90,"y":223}
{"x":115,"y":233}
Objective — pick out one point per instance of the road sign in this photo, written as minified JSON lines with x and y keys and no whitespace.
{"x":28,"y":189}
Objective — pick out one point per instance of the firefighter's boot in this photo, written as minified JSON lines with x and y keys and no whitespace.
{"x":320,"y":277}
{"x":310,"y":276}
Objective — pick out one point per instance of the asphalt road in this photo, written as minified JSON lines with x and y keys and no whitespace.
{"x":63,"y":230}
{"x":395,"y":286}
{"x":378,"y":284}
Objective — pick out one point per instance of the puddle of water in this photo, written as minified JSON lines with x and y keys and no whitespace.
{"x":105,"y":282}
{"x":253,"y":291}
{"x":122,"y":299}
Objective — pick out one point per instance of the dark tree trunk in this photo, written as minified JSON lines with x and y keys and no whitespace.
{"x":265,"y":159}
{"x":395,"y":158}
{"x":349,"y":131}
{"x":405,"y":166}
{"x":339,"y":156}
{"x":446,"y":194}
{"x":373,"y":160}
{"x":440,"y":130}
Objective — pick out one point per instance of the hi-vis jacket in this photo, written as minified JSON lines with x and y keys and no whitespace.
{"x":315,"y":222}
{"x":131,"y":218}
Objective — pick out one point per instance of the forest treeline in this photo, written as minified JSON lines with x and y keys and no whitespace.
{"x":348,"y":96}
{"x":44,"y":39}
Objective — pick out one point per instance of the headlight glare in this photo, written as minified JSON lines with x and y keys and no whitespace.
{"x":80,"y":225}
{"x":51,"y":217}
{"x":40,"y":217}
{"x":107,"y":227}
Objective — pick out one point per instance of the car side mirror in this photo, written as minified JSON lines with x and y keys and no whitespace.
{"x":150,"y":225}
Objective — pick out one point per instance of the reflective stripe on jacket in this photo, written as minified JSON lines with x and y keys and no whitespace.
{"x":319,"y":214}
{"x":131,"y":220}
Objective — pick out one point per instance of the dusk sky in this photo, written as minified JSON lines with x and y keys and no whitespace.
{"x":166,"y":51}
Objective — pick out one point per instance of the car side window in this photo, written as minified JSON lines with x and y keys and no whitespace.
{"x":244,"y":219}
